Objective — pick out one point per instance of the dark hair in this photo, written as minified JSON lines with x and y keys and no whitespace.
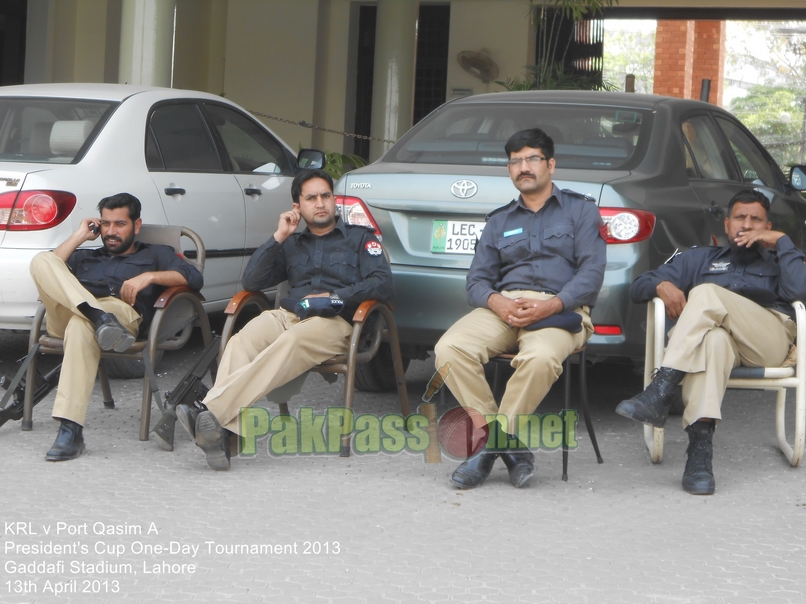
{"x":303,"y":177}
{"x":749,"y":196}
{"x":534,"y":138}
{"x":121,"y":200}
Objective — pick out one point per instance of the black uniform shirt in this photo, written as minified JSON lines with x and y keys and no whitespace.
{"x":347,"y":261}
{"x":558,"y":250}
{"x":783,"y":273}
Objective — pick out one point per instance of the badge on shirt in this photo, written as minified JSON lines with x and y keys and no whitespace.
{"x":718,"y":267}
{"x":374,"y":248}
{"x":514,"y":232}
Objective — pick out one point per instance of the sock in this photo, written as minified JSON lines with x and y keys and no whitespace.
{"x":92,"y":313}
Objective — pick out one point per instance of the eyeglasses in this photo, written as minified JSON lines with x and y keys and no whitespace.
{"x":532,"y":160}
{"x":325,"y":196}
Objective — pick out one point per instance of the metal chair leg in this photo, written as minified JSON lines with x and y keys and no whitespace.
{"x":566,"y":408}
{"x":109,"y":402}
{"x":583,"y":383}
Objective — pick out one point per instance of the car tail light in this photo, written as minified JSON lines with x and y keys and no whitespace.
{"x":627,"y":226}
{"x":34,"y":210}
{"x":353,"y":211}
{"x":607,"y":330}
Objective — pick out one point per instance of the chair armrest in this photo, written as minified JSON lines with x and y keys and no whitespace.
{"x":239,"y":299}
{"x":365,"y":309}
{"x":169,"y":294}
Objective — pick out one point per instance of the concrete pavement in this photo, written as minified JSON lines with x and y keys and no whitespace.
{"x":137,"y":524}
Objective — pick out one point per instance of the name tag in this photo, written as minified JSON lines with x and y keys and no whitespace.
{"x":718,"y":267}
{"x":515,"y":232}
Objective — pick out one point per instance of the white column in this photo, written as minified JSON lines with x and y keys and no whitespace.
{"x":393,"y":83}
{"x":146,"y":42}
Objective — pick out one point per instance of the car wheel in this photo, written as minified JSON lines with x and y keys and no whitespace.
{"x":129,"y":369}
{"x":379,"y":374}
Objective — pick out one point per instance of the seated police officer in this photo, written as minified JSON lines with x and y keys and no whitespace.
{"x":733,"y":307}
{"x":331,"y":268}
{"x":99,"y":299}
{"x":538,"y":268}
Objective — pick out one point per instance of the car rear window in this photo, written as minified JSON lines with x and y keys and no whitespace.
{"x":585,"y":136}
{"x":49,"y":131}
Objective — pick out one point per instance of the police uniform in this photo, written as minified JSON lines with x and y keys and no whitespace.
{"x":276,"y":347}
{"x":94,"y":276}
{"x":557,"y":251}
{"x":721,"y":327}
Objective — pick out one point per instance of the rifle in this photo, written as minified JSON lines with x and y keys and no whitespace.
{"x":187,"y":392}
{"x":43,"y":385}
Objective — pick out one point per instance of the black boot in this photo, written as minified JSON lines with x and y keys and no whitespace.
{"x":187,"y":414}
{"x":521,"y":466}
{"x":111,"y":335}
{"x":473,"y":471}
{"x":652,"y":405}
{"x":214,"y":440}
{"x":69,"y":442}
{"x":698,"y":478}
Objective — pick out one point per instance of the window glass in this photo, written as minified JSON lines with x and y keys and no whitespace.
{"x":49,"y":131}
{"x":704,"y":147}
{"x":592,"y":137}
{"x":183,"y":139}
{"x":250,"y":148}
{"x":755,"y":167}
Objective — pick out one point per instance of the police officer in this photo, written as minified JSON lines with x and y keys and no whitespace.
{"x":331,"y":268}
{"x":538,"y":268}
{"x":732,"y":306}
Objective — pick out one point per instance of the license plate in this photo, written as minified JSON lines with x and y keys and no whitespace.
{"x":455,"y":236}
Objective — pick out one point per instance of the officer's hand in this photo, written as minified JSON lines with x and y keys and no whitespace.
{"x":502,"y":306}
{"x":531,"y":311}
{"x":85,"y":229}
{"x":130,"y":288}
{"x":287,"y":225}
{"x":768,"y":239}
{"x":673,"y":297}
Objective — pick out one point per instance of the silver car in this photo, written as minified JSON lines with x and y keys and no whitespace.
{"x":660,"y":169}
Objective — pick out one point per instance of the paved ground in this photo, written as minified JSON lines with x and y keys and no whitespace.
{"x":388,"y":527}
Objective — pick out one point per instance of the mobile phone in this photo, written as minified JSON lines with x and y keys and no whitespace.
{"x":94,"y":228}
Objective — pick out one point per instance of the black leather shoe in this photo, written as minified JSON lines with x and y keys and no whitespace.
{"x":652,"y":405}
{"x":69,"y":442}
{"x":111,"y":335}
{"x":213,"y":440}
{"x":473,"y":471}
{"x":698,"y":477}
{"x":521,"y":466}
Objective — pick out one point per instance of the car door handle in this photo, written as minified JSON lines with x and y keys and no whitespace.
{"x":174,"y":191}
{"x":252,"y":191}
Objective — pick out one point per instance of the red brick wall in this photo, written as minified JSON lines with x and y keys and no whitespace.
{"x":686,"y":52}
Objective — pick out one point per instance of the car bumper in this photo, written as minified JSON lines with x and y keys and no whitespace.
{"x":18,"y":295}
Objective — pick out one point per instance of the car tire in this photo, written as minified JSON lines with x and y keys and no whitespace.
{"x":378,"y":375}
{"x":129,"y":369}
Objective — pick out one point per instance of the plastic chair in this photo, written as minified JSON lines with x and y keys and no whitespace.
{"x":178,"y":309}
{"x":776,"y":379}
{"x":373,"y":323}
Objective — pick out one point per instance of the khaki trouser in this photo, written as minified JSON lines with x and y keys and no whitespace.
{"x":61,"y":293}
{"x":470,"y":343}
{"x":269,"y":351}
{"x":717,"y":331}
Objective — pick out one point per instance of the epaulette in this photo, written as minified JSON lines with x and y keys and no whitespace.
{"x":501,"y":209}
{"x":584,"y":196}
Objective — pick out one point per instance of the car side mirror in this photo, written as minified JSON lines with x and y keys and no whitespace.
{"x":797,"y":176}
{"x":311,"y":159}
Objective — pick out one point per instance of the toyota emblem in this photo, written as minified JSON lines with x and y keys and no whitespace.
{"x":464,"y":189}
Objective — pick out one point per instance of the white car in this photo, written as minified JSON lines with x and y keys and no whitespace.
{"x":193,"y":159}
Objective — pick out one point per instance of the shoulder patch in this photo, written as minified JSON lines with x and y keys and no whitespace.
{"x":373,"y":248}
{"x":579,"y":195}
{"x":501,"y":209}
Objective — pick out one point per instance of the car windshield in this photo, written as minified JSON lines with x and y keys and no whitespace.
{"x":585,"y":136}
{"x":50,"y":131}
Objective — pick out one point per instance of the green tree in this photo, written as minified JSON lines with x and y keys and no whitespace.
{"x":628,"y":52}
{"x":775,"y":116}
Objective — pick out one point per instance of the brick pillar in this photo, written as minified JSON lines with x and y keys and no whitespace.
{"x":674,"y":58}
{"x":709,"y":58}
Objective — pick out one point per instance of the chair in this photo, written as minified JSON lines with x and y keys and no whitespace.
{"x":373,"y":323}
{"x":178,"y":309}
{"x":776,"y":379}
{"x":583,"y":389}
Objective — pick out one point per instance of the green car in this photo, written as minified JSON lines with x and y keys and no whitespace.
{"x":660,"y":169}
